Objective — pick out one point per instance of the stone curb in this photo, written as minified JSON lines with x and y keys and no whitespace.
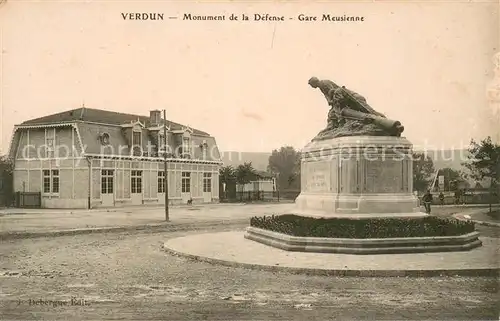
{"x":167,"y":227}
{"x":372,"y":246}
{"x":484,"y":223}
{"x":183,"y":206}
{"x":4,"y":212}
{"x":487,"y":272}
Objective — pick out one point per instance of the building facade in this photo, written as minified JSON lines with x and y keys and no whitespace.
{"x":264,"y":182}
{"x":88,"y":158}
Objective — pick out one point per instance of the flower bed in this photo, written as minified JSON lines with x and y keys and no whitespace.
{"x":303,"y":226}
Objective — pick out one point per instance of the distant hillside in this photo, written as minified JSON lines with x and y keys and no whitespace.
{"x":259,"y":160}
{"x":442,"y":159}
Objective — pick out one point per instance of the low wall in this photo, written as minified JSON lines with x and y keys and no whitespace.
{"x":364,"y":246}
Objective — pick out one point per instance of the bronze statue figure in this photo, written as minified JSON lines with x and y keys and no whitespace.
{"x":350,"y":114}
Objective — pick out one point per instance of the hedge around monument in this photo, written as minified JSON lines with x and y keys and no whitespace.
{"x":296,"y":225}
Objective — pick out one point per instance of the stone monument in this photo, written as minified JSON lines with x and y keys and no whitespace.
{"x":357,"y":172}
{"x":359,"y":165}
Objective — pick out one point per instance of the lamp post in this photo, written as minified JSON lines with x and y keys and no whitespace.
{"x":165,"y":164}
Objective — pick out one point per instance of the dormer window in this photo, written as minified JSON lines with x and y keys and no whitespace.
{"x":185,"y":147}
{"x":204,"y":147}
{"x":133,"y":136}
{"x":136,"y":138}
{"x":49,"y":143}
{"x":137,"y":142}
{"x":161,"y":144}
{"x":182,"y":138}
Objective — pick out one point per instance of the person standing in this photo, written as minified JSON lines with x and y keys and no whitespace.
{"x":441,"y":198}
{"x":427,"y":199}
{"x":457,"y":197}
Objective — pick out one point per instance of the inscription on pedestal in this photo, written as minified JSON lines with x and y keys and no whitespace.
{"x":317,"y":177}
{"x":383,"y":176}
{"x":376,"y":180}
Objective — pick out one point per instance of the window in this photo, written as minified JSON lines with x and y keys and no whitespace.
{"x":136,"y":143}
{"x":207,"y":182}
{"x":161,"y":145}
{"x":204,"y":150}
{"x":104,"y":137}
{"x":136,"y":178}
{"x":186,"y":182}
{"x":51,"y":181}
{"x":49,"y":152}
{"x":107,"y":181}
{"x":50,"y":136}
{"x":161,"y":182}
{"x":136,"y":138}
{"x":46,"y":181}
{"x":185,"y":150}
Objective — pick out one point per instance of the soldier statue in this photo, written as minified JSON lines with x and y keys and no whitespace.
{"x":350,"y":114}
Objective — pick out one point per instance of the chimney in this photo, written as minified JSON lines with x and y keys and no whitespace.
{"x":155,"y":117}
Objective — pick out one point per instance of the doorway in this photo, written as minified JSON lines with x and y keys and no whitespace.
{"x":207,"y":187}
{"x":136,"y":187}
{"x":108,"y":187}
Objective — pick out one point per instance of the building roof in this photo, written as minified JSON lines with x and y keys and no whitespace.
{"x":101,"y":116}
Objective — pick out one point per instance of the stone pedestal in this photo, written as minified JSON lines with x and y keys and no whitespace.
{"x":358,"y":176}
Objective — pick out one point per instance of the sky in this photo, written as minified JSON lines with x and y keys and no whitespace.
{"x":426,"y":64}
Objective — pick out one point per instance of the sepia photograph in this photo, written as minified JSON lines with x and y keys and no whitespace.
{"x":249,"y":160}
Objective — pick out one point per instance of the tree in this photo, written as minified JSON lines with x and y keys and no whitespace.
{"x":227,"y":174}
{"x":423,"y":171}
{"x":285,"y":164}
{"x":6,"y":181}
{"x":245,"y":173}
{"x":451,"y":177}
{"x":227,"y":183}
{"x":484,"y":162}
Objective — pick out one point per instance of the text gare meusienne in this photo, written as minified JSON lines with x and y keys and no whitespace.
{"x":329,"y":17}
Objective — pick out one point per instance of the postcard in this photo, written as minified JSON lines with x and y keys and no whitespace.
{"x":249,"y":160}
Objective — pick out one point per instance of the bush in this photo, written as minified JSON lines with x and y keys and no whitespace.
{"x":428,"y":226}
{"x":6,"y":181}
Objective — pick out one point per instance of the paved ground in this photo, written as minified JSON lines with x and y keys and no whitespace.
{"x":126,"y":276}
{"x":483,"y":217}
{"x":25,"y":220}
{"x":233,"y":247}
{"x":49,"y":220}
{"x":486,"y":217}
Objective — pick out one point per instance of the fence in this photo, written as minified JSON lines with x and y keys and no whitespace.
{"x":250,"y":196}
{"x":289,"y":194}
{"x":6,"y":193}
{"x":469,"y":197}
{"x":258,"y":196}
{"x":6,"y":199}
{"x":28,"y":200}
